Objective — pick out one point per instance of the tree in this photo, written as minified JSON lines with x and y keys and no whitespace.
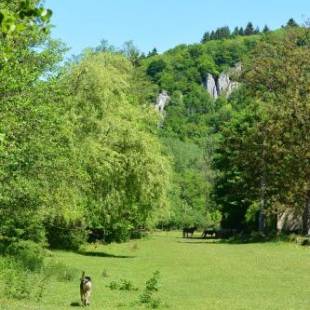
{"x":266,"y":29}
{"x":153,"y":52}
{"x":16,"y":16}
{"x":283,"y":91}
{"x":291,"y":23}
{"x":236,"y":32}
{"x":131,"y":52}
{"x":155,"y":68}
{"x":122,"y":159}
{"x":206,"y":37}
{"x":249,"y":29}
{"x":222,"y":33}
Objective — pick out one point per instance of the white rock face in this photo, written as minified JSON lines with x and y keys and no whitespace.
{"x":211,"y":86}
{"x":223,"y":85}
{"x":162,"y":101}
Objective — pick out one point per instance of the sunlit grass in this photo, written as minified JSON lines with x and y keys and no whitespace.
{"x":195,"y":274}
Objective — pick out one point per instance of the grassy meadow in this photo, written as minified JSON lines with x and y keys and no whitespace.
{"x":194,"y":274}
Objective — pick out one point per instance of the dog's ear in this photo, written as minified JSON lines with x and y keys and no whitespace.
{"x":83,"y":275}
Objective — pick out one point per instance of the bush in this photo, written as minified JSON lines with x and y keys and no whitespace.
{"x":151,"y":286}
{"x":21,"y":283}
{"x":65,"y":234}
{"x":123,"y":285}
{"x":26,"y":226}
{"x":28,"y":253}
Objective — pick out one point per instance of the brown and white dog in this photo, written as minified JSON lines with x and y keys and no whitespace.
{"x":85,"y":289}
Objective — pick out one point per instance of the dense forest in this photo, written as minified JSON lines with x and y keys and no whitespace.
{"x":84,"y":149}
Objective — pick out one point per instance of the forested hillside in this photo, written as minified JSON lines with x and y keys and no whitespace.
{"x":192,"y":120}
{"x":234,"y":153}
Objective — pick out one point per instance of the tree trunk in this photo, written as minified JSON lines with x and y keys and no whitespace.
{"x":306,"y":216}
{"x":261,"y":216}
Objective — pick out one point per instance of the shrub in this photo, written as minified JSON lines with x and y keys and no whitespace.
{"x":65,"y":234}
{"x":26,"y":226}
{"x":151,"y":286}
{"x":21,"y":283}
{"x":123,"y":285}
{"x":28,"y":253}
{"x":127,"y":285}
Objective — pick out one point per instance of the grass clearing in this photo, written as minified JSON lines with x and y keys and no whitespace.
{"x":194,"y":274}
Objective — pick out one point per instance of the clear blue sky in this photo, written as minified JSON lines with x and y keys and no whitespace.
{"x":162,"y":23}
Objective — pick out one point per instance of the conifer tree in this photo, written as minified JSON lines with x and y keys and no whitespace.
{"x":266,"y":29}
{"x":249,"y":29}
{"x":291,"y":23}
{"x":206,"y":37}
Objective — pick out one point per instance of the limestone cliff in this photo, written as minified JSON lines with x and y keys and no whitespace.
{"x":222,"y":85}
{"x":162,"y":101}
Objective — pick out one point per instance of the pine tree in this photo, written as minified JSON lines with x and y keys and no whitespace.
{"x":291,"y":23}
{"x":153,"y":52}
{"x":249,"y":29}
{"x":212,"y":35}
{"x":257,"y":31}
{"x":206,"y":37}
{"x":241,"y":31}
{"x":235,"y":32}
{"x":266,"y":29}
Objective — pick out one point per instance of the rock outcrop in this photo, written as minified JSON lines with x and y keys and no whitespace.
{"x":162,"y":101}
{"x":211,"y":86}
{"x":222,"y":85}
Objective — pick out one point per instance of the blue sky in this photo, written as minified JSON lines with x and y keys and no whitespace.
{"x":162,"y":23}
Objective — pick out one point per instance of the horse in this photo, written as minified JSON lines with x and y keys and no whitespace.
{"x":188,"y":231}
{"x":208,"y":233}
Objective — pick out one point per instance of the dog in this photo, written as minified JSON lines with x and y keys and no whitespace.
{"x":85,"y":289}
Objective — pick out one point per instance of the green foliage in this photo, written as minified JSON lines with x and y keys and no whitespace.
{"x":127,"y":173}
{"x":16,"y":16}
{"x":28,"y":253}
{"x":261,"y":155}
{"x":20,"y":283}
{"x":192,"y":121}
{"x":62,"y":233}
{"x":76,"y":143}
{"x":151,"y":287}
{"x":223,"y":33}
{"x":122,"y":285}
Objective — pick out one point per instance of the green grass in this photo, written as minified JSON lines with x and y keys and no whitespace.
{"x":194,"y":274}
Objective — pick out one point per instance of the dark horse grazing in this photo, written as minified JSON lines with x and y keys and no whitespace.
{"x":188,"y":231}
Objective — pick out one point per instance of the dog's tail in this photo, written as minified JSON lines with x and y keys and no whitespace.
{"x":83,"y":275}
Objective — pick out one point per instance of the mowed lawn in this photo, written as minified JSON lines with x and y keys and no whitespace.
{"x":194,"y":274}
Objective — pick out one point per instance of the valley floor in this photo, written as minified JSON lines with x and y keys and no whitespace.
{"x":194,"y":274}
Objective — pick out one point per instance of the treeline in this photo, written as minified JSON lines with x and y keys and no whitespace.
{"x":78,"y":143}
{"x":225,"y":32}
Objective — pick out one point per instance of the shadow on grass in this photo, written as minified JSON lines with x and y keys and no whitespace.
{"x":75,"y":304}
{"x":230,"y":241}
{"x":103,"y":254}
